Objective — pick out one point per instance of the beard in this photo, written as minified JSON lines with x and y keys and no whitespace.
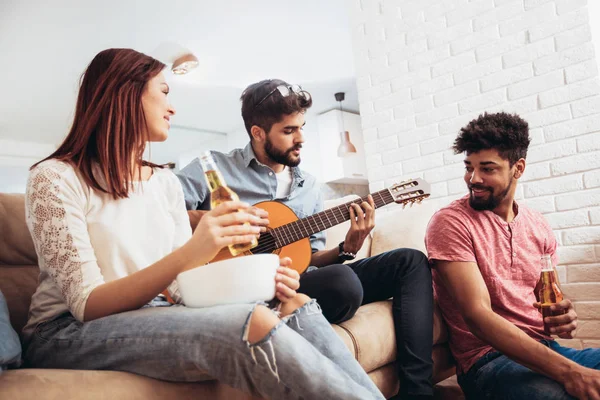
{"x":282,"y":157}
{"x":482,"y":204}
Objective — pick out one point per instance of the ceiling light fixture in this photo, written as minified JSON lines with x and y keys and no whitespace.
{"x":183,"y":64}
{"x":346,"y":147}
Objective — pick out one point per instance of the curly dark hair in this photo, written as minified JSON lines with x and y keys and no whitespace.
{"x":506,"y":133}
{"x":271,"y":109}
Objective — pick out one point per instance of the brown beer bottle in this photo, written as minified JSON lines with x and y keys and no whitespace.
{"x":220,"y":193}
{"x":548,"y":290}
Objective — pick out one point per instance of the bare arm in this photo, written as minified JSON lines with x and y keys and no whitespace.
{"x":195,"y":217}
{"x":218,"y":228}
{"x":137,"y":289}
{"x":325,"y":257}
{"x":467,"y":288}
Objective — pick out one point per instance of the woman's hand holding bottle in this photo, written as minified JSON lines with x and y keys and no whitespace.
{"x":232,"y":222}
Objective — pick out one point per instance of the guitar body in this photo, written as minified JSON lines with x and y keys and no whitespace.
{"x":279,"y":214}
{"x":288,"y":236}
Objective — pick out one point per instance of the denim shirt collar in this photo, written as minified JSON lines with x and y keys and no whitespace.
{"x":249,"y":155}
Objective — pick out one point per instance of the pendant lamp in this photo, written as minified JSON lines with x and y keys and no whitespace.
{"x":346,"y":147}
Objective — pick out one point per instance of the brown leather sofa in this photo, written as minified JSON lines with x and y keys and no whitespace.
{"x":369,"y":335}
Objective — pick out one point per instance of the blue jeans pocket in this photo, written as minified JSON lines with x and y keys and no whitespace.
{"x":469,"y":380}
{"x":47,"y":331}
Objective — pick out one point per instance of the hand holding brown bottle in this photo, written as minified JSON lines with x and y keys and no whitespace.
{"x":231,"y":222}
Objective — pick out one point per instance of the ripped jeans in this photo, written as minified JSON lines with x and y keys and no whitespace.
{"x":300,"y":358}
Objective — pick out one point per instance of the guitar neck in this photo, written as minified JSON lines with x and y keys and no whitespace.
{"x":303,"y":228}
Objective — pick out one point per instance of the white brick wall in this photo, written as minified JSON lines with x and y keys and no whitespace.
{"x":427,"y":67}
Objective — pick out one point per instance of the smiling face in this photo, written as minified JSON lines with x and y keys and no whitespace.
{"x":157,"y":109}
{"x":283,"y":142}
{"x":491,"y":180}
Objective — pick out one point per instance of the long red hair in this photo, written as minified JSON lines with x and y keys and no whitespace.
{"x":109,"y":128}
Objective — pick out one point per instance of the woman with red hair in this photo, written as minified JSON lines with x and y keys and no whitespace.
{"x":111,"y":232}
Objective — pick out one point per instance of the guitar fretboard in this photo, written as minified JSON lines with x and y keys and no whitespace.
{"x":323,"y":220}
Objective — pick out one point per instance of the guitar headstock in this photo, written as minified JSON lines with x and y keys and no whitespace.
{"x":410,"y":191}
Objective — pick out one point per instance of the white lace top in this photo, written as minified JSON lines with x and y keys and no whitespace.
{"x":84,"y":238}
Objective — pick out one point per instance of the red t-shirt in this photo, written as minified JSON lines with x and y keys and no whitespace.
{"x":508,"y":256}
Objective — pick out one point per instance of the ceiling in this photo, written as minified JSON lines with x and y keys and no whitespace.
{"x":45,"y":46}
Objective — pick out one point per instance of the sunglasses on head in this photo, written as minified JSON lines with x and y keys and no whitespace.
{"x":286,"y":90}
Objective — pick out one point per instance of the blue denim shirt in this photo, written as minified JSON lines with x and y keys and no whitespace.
{"x":253,"y":182}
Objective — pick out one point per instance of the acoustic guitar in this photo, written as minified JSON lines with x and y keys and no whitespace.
{"x":288,"y":236}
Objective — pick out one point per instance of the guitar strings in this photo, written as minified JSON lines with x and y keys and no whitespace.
{"x":269,"y":244}
{"x":271,"y":241}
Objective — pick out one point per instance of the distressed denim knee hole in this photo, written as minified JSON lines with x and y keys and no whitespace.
{"x":264,"y":346}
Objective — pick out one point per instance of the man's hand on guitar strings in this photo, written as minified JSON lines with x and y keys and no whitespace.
{"x":287,"y":281}
{"x":362,"y":222}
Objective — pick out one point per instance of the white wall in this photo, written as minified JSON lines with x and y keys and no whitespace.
{"x":184,"y":144}
{"x":15,"y":159}
{"x":594,"y":16}
{"x":238,"y":138}
{"x":427,"y":67}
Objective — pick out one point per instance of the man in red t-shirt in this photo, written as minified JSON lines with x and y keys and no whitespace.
{"x":486,"y":250}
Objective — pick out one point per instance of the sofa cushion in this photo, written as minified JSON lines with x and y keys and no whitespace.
{"x":371,"y":334}
{"x":18,"y":283}
{"x":16,"y":246}
{"x":397,"y":227}
{"x":386,"y":379}
{"x":26,"y":384}
{"x":10,"y":346}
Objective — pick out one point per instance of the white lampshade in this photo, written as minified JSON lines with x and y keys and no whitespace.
{"x":185,"y":63}
{"x":346,"y":147}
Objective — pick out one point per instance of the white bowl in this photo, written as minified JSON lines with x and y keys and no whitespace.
{"x":245,"y":279}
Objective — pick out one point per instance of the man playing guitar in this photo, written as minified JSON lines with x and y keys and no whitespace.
{"x":267,"y":169}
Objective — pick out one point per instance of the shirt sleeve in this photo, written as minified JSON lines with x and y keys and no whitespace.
{"x":195,"y":190}
{"x":448,"y":238}
{"x":317,"y":241}
{"x":183,"y":230}
{"x":55,"y":215}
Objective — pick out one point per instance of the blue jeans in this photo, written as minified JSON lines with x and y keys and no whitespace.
{"x":495,"y":376}
{"x":300,"y":358}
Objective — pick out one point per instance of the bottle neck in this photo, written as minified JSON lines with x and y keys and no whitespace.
{"x":211,"y":172}
{"x":546,"y":262}
{"x":548,"y":277}
{"x":214,"y":179}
